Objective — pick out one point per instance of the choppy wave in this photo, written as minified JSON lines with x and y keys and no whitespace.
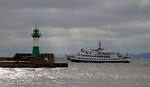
{"x":134,"y":74}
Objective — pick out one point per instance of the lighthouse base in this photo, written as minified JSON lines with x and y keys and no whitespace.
{"x":35,"y":51}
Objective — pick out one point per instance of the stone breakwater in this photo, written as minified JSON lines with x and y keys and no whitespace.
{"x":30,"y":65}
{"x":22,"y":60}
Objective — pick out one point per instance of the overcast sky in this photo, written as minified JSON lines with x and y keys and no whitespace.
{"x":68,"y":25}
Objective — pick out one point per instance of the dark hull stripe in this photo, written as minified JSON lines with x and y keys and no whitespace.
{"x":99,"y":61}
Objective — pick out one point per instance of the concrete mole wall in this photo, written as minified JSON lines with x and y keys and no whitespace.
{"x":28,"y":61}
{"x":43,"y":58}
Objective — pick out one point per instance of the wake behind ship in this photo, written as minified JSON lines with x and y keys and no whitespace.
{"x":97,"y":55}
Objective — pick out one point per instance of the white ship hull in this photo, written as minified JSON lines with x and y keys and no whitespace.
{"x":96,"y":60}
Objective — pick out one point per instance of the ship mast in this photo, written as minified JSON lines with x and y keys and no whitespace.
{"x":100,"y":44}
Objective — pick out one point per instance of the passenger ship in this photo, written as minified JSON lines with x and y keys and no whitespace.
{"x":97,"y":55}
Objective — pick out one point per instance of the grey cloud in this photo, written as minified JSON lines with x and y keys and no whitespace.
{"x":129,"y":10}
{"x":129,"y":31}
{"x":68,"y":4}
{"x":92,"y":17}
{"x":18,"y":17}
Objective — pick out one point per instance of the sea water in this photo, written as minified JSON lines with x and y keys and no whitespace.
{"x":134,"y":74}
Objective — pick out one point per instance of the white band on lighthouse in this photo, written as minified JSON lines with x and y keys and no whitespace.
{"x":35,"y":41}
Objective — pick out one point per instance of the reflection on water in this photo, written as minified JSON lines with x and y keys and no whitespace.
{"x":135,"y":74}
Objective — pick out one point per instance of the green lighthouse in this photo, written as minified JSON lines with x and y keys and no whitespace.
{"x":36,"y":35}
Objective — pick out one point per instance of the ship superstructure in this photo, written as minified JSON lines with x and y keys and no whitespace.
{"x":97,"y":55}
